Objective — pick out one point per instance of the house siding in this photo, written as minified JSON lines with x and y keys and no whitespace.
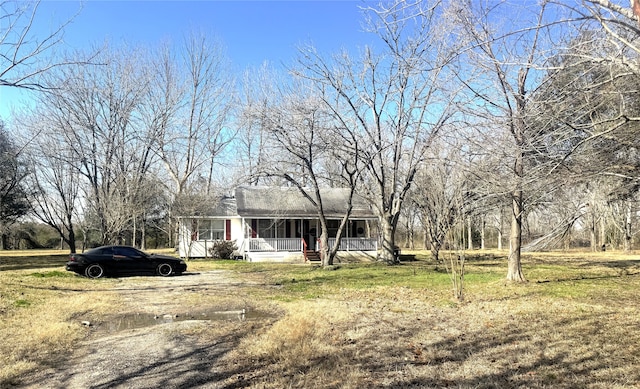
{"x":190,"y":246}
{"x":275,"y":222}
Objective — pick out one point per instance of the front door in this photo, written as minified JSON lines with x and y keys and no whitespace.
{"x":309,"y":234}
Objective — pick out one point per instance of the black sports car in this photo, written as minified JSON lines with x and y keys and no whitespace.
{"x":123,"y":260}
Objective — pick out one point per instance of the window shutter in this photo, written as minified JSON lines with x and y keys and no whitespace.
{"x":227,"y":229}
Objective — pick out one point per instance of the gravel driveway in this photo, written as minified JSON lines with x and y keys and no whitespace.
{"x":171,"y":347}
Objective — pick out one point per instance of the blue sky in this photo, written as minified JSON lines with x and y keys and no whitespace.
{"x":252,"y":31}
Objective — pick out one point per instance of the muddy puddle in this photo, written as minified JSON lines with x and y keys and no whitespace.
{"x":140,"y":320}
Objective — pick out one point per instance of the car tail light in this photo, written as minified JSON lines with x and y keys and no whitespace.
{"x":72,"y":258}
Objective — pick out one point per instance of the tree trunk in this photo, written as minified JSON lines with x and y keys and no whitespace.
{"x":326,"y":259}
{"x":143,"y":235}
{"x":135,"y":232}
{"x":500,"y":229}
{"x":483,"y":225}
{"x":603,"y":231}
{"x":425,"y":240}
{"x":409,"y":242}
{"x":592,"y":233}
{"x":72,"y":241}
{"x":435,"y":252}
{"x":627,"y":230}
{"x":388,"y":240}
{"x":469,"y":235}
{"x":514,"y":270}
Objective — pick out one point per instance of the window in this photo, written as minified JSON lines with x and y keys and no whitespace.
{"x":126,"y":252}
{"x":281,"y":229}
{"x":204,"y":230}
{"x":211,"y":230}
{"x":101,"y":251}
{"x":217,"y":229}
{"x":271,"y":228}
{"x":265,"y":228}
{"x":332,"y":228}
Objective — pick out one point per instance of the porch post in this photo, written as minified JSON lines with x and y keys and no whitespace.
{"x":245,"y":238}
{"x":349,"y":233}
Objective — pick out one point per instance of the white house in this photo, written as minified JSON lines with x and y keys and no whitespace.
{"x":279,"y":224}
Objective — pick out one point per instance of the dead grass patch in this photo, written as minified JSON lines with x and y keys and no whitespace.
{"x":374,"y":342}
{"x":574,"y":324}
{"x":558,"y":330}
{"x":304,"y":348}
{"x":37,"y":317}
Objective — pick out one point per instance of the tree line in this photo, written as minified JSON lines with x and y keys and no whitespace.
{"x":461,"y":120}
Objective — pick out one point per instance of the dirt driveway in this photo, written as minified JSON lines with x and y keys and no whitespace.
{"x":170,"y":333}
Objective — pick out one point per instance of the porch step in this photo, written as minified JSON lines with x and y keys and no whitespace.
{"x":312,"y":256}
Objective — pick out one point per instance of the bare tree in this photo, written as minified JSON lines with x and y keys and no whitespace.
{"x":191,"y":98}
{"x":25,"y":56}
{"x":596,"y":214}
{"x":501,"y":72}
{"x":306,"y":141}
{"x":258,"y":94}
{"x":393,"y":102}
{"x":13,"y":193}
{"x":623,"y":210}
{"x":188,"y":109}
{"x":56,"y":183}
{"x":438,"y":188}
{"x":448,"y":192}
{"x":619,"y":22}
{"x":95,"y":113}
{"x":590,"y":99}
{"x":410,"y":217}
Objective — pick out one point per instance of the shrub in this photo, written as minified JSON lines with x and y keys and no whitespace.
{"x":223,"y":249}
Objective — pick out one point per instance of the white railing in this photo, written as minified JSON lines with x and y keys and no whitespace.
{"x":355,"y":244}
{"x":295,"y":244}
{"x":275,"y":244}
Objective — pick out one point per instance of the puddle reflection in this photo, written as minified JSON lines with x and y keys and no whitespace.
{"x":139,"y":320}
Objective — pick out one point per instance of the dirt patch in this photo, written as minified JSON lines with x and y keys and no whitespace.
{"x":178,"y":346}
{"x":327,"y":330}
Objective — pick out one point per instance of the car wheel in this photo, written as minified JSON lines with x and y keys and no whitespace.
{"x":165,"y":269}
{"x":94,"y":271}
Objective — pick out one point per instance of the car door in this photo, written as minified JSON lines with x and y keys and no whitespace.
{"x":130,"y":261}
{"x":102,"y":256}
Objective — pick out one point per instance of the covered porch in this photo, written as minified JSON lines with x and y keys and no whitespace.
{"x":297,"y":239}
{"x":293,"y":244}
{"x":279,"y":224}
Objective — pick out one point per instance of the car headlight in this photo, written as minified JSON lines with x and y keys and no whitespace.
{"x":183,"y":262}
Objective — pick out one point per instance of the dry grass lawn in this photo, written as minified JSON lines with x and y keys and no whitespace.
{"x":575,"y":323}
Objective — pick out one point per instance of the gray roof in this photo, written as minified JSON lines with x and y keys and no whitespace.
{"x":226,"y":207}
{"x":288,"y":202}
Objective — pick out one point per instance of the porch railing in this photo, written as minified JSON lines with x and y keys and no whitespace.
{"x":296,"y":244}
{"x":355,"y":244}
{"x":275,"y":244}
